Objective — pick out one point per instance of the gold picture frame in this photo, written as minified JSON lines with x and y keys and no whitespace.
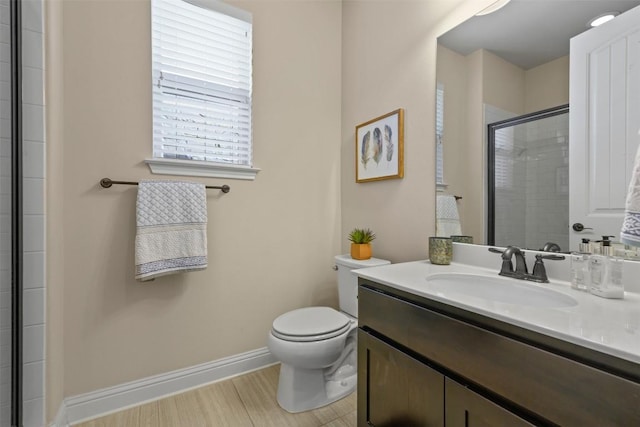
{"x":380,"y":148}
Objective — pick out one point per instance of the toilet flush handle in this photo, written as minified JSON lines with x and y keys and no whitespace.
{"x":335,"y":267}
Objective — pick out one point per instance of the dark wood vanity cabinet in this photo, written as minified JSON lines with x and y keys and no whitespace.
{"x":465,"y":408}
{"x":399,"y":390}
{"x":420,"y":365}
{"x":404,"y":392}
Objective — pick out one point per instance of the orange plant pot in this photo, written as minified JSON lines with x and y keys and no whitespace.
{"x":361,"y":251}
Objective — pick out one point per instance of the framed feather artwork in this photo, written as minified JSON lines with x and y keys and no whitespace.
{"x":380,"y":148}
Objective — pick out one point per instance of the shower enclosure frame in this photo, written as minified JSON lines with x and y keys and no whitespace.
{"x":15,"y":11}
{"x":491,"y":157}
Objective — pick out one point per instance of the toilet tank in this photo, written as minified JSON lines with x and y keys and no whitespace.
{"x":348,"y":281}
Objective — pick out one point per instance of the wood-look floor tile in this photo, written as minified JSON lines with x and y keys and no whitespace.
{"x":221,"y":406}
{"x":351,"y":419}
{"x":325,"y":414}
{"x":346,"y":405}
{"x":245,"y":401}
{"x":127,"y":418}
{"x":168,"y":413}
{"x":149,"y":415}
{"x":337,"y":423}
{"x":190,"y":413}
{"x":258,"y":393}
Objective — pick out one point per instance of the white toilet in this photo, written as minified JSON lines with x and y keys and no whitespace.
{"x":317,"y":345}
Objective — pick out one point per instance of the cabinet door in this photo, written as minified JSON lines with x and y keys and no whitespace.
{"x":394,"y":389}
{"x":465,"y":408}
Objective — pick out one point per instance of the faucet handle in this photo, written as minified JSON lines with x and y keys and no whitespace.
{"x":539,"y":273}
{"x":508,"y":252}
{"x":551,"y":257}
{"x":507,"y":265}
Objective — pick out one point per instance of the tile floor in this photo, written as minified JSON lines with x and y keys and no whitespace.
{"x":248,"y":400}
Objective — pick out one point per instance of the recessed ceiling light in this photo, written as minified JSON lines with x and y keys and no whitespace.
{"x":493,"y":7}
{"x":601,"y":19}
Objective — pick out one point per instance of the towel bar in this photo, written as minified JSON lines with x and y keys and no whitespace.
{"x":107,"y":183}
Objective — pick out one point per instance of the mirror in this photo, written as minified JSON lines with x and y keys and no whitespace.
{"x":528,"y":180}
{"x":512,"y":64}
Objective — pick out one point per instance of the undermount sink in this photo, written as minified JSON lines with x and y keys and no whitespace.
{"x":498,"y":289}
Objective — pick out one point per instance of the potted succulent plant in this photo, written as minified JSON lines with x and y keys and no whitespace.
{"x":361,"y":239}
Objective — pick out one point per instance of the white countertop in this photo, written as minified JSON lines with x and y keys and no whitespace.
{"x":611,"y":326}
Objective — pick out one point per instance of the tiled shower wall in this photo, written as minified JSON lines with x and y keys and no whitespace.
{"x":33,"y":205}
{"x":547,"y":178}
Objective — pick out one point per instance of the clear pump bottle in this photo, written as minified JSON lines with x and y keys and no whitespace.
{"x":605,"y":271}
{"x":580,"y":271}
{"x":585,"y":246}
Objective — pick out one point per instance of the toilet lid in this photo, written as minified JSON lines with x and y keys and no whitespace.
{"x":310,"y":324}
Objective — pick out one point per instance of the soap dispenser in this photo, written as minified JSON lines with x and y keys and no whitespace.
{"x":606,"y":271}
{"x":580,"y":271}
{"x":585,"y":246}
{"x":580,"y":275}
{"x":605,"y":245}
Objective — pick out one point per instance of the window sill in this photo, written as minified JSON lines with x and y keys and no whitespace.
{"x":198,"y":168}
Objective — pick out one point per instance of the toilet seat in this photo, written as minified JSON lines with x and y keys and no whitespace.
{"x":310,"y":324}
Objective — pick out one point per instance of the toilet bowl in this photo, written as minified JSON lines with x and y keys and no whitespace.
{"x":317,"y":346}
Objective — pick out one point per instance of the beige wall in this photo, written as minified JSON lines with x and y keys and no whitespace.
{"x":503,"y":84}
{"x":389,"y":51}
{"x":461,"y":77}
{"x":452,"y":74}
{"x":54,"y":381}
{"x":271,"y":242}
{"x":472,"y":203}
{"x":320,"y":68}
{"x":547,"y":85}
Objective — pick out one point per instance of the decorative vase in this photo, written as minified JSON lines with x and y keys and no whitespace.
{"x":440,"y":250}
{"x":361,"y":251}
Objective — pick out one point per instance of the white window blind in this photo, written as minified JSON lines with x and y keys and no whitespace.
{"x":201,"y":61}
{"x":439,"y":133}
{"x":504,"y":157}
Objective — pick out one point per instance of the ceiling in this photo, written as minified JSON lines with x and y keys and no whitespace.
{"x":528,"y":33}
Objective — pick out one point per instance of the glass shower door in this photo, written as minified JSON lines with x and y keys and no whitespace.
{"x":529,"y":180}
{"x":10,"y":213}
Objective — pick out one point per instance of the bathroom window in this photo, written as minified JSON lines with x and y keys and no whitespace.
{"x":202,"y":83}
{"x":504,"y":158}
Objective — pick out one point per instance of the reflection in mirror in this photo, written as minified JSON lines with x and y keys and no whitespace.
{"x":528,"y":178}
{"x":496,"y":67}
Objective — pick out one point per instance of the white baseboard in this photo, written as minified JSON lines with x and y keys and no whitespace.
{"x":61,"y":417}
{"x":112,"y":399}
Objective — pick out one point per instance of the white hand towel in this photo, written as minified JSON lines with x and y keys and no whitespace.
{"x":447,"y":217}
{"x":630,"y":234}
{"x":171,"y":235}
